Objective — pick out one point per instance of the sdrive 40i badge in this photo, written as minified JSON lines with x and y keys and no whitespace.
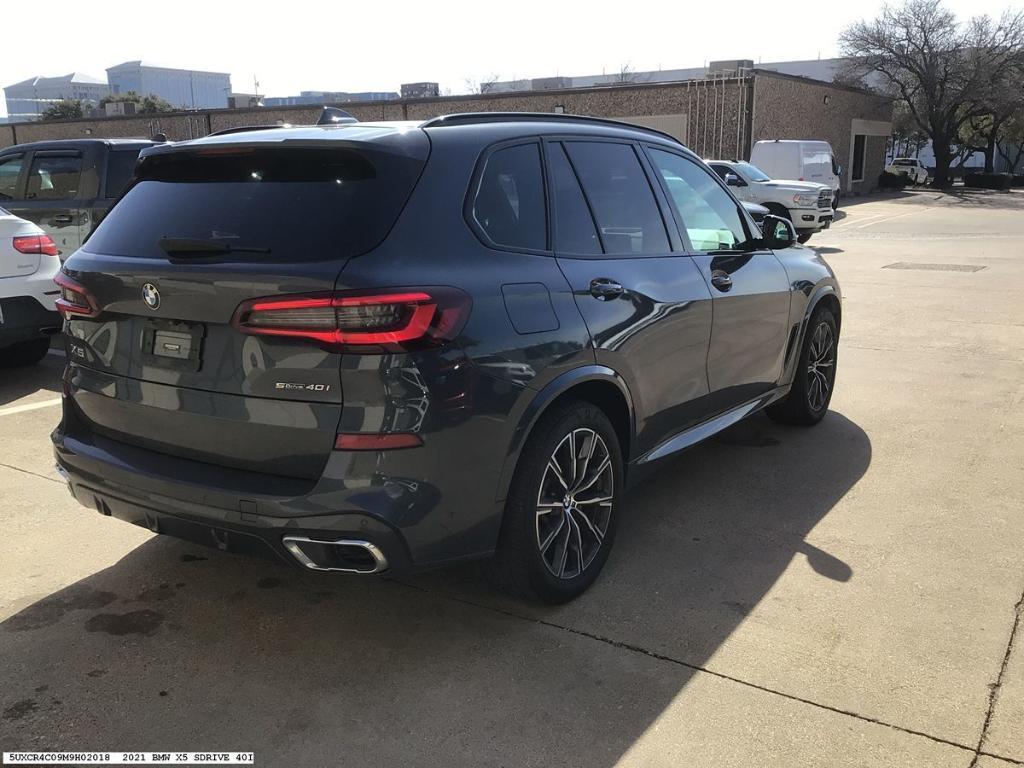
{"x":295,"y":386}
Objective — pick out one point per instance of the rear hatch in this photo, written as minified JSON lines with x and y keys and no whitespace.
{"x":206,"y":227}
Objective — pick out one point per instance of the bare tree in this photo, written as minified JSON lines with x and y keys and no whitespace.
{"x":483,"y":85}
{"x":1004,"y":101}
{"x":907,"y":137}
{"x":625,"y":76}
{"x":941,"y":69}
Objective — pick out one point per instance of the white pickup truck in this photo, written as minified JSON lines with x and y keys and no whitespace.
{"x":807,"y":204}
{"x":910,"y":167}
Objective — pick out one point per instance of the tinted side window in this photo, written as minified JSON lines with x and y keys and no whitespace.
{"x":574,"y":227}
{"x":621,"y":198}
{"x":721,"y":170}
{"x":509,"y":202}
{"x":54,"y":177}
{"x":10,"y":169}
{"x":120,"y":165}
{"x":710,"y":216}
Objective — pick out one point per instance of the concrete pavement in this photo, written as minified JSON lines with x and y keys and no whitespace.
{"x":843,"y":596}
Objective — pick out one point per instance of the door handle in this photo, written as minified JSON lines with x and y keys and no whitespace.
{"x":62,"y":218}
{"x":721,"y":281}
{"x":603,"y":289}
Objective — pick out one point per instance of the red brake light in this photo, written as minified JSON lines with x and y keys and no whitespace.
{"x":36,"y":244}
{"x":370,"y":441}
{"x":74,"y":299}
{"x":372,"y":321}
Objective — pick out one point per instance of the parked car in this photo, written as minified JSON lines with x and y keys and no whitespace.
{"x":910,"y":167}
{"x":755,"y":211}
{"x":28,"y":316}
{"x":66,"y":186}
{"x":806,"y":204}
{"x":801,"y":160}
{"x":268,"y":332}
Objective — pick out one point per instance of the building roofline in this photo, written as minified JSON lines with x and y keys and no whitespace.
{"x":269,"y":112}
{"x":822,"y":83}
{"x":143,"y":64}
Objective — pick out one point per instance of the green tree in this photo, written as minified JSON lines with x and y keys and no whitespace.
{"x":65,"y":109}
{"x":149,"y":104}
{"x":1011,"y":146}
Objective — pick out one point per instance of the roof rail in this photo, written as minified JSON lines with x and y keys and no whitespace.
{"x":470,"y":118}
{"x":244,"y":128}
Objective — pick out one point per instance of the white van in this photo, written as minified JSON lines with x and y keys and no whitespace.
{"x":799,"y":160}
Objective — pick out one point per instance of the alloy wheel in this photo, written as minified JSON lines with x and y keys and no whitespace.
{"x":574,"y":503}
{"x":821,"y":366}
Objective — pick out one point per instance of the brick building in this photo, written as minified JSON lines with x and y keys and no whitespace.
{"x":718,"y":115}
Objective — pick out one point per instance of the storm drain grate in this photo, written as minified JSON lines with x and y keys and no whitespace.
{"x":935,"y":267}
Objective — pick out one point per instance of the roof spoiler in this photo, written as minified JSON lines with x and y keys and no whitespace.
{"x":333,"y":115}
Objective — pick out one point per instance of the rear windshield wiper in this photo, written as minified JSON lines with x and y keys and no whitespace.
{"x":194,"y":246}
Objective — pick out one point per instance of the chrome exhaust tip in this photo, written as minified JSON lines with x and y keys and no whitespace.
{"x":344,"y":555}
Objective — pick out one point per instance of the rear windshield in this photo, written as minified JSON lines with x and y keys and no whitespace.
{"x":301,"y":204}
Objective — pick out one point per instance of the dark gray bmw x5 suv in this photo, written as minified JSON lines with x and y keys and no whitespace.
{"x":386,"y":347}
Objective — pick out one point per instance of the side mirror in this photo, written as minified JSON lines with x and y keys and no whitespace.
{"x":839,"y":170}
{"x":778,"y":232}
{"x":732,"y":180}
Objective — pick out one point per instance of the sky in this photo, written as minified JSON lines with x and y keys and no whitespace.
{"x":360,"y":46}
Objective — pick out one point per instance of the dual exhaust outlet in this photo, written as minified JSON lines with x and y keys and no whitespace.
{"x":344,"y":555}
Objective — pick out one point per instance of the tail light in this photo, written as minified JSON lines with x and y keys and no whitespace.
{"x":75,"y":300}
{"x":36,"y":244}
{"x":389,"y":320}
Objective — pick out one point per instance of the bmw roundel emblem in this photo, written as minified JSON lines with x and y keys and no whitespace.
{"x":151,"y":296}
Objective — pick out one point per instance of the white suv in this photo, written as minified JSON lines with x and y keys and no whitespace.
{"x":807,"y":204}
{"x":28,"y":317}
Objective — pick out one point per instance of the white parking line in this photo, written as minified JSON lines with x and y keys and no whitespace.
{"x":886,"y":219}
{"x":28,"y":407}
{"x":858,"y":220}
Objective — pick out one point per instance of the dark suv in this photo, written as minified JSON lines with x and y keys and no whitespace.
{"x":392,"y":346}
{"x":66,"y":186}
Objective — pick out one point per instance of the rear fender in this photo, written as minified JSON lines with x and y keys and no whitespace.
{"x":536,"y":403}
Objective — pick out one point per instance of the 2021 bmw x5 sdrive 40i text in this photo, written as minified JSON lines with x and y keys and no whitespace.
{"x":386,"y":347}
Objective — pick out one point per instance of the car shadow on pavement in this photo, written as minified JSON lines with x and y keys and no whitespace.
{"x":16,"y":383}
{"x":176,"y":647}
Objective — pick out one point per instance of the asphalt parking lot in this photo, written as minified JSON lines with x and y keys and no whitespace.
{"x":843,"y":596}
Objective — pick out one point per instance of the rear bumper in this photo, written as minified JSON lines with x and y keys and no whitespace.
{"x":236,"y":530}
{"x":411,"y":522}
{"x":24,"y":318}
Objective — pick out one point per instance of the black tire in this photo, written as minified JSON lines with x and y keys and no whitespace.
{"x":521,"y":565}
{"x":814,"y":380}
{"x":835,"y":202}
{"x":804,"y":237}
{"x":24,"y":353}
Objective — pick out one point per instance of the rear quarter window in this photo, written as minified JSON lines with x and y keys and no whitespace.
{"x":303,"y":204}
{"x":509,"y":201}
